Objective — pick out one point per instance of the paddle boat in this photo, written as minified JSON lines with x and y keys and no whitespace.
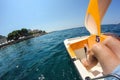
{"x":76,"y":46}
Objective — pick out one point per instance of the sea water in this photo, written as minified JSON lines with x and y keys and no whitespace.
{"x":43,"y":57}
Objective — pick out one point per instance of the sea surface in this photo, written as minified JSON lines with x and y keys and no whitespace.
{"x":43,"y":57}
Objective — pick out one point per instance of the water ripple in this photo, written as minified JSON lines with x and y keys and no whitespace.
{"x":43,"y":58}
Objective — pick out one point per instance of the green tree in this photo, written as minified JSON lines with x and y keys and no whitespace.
{"x":10,"y":36}
{"x":24,"y":32}
{"x":16,"y":34}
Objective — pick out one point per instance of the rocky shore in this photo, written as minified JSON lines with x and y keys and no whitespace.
{"x":19,"y":40}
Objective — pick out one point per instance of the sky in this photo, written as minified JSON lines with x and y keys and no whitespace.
{"x":49,"y":15}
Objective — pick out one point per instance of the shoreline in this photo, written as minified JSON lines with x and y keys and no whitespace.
{"x":19,"y":40}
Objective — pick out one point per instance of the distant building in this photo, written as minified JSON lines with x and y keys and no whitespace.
{"x":36,"y":31}
{"x":29,"y":30}
{"x":2,"y":39}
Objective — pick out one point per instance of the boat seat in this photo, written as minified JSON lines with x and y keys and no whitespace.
{"x":80,"y":53}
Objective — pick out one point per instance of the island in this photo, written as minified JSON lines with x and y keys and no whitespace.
{"x":20,"y":35}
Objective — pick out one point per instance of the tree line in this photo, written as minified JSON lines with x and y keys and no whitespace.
{"x":16,"y":34}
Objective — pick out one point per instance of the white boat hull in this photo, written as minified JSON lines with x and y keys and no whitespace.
{"x":78,"y":54}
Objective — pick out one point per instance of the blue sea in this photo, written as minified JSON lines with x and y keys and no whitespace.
{"x":43,"y":57}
